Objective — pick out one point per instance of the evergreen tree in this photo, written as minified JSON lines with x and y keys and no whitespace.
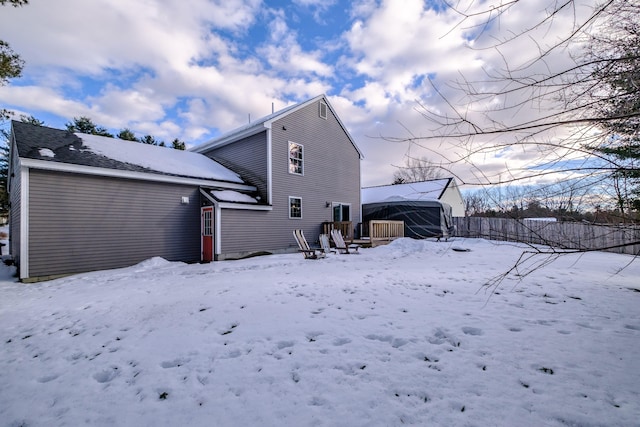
{"x":127,"y":135}
{"x":616,"y":55}
{"x":178,"y":145}
{"x":10,"y":62}
{"x":148,"y":139}
{"x":84,"y":124}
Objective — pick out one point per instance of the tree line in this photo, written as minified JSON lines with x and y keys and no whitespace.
{"x":85,"y":125}
{"x":589,"y":127}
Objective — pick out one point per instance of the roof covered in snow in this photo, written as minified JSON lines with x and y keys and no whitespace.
{"x":424,"y":190}
{"x":233,"y":196}
{"x":60,"y":146}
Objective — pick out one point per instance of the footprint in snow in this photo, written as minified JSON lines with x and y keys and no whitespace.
{"x":47,"y":378}
{"x":395,"y":342}
{"x":174,"y":363}
{"x":285,"y":344}
{"x":341,"y":341}
{"x":106,"y":375}
{"x":469,"y":330}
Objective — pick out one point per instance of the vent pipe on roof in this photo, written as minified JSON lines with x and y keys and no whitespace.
{"x":272,"y":108}
{"x":249,"y":115}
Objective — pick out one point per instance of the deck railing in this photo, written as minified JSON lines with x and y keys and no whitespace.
{"x":382,"y":232}
{"x":345,"y":227}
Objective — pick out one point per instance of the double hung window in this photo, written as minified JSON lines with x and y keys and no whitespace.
{"x":295,"y":207}
{"x":296,"y":158}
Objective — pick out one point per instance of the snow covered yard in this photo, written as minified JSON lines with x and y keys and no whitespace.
{"x":400,"y":334}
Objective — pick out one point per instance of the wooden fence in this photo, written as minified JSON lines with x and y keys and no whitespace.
{"x":564,"y":235}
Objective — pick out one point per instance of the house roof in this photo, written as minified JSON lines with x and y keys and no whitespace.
{"x":265,"y":123}
{"x":424,"y":190}
{"x":54,"y":146}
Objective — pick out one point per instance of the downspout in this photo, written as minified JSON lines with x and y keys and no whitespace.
{"x":269,"y":165}
{"x":24,"y":223}
{"x":217,"y":234}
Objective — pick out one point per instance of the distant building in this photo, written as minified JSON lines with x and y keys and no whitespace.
{"x":444,"y":190}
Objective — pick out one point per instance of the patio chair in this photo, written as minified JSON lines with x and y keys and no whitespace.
{"x":324,"y":244}
{"x":341,"y":246}
{"x":307,"y":251}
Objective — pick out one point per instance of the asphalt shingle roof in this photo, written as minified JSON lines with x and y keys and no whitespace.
{"x":61,"y":146}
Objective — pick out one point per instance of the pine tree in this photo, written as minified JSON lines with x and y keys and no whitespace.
{"x":178,"y":145}
{"x":616,"y":53}
{"x":127,"y":135}
{"x":84,"y":124}
{"x":10,"y":62}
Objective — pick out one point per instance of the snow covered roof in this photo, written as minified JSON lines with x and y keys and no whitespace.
{"x":62,"y":147}
{"x":424,"y":190}
{"x":233,"y":196}
{"x":159,"y":159}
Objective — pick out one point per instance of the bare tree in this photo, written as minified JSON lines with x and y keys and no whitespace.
{"x":416,"y":170}
{"x":583,"y":121}
{"x":582,"y":116}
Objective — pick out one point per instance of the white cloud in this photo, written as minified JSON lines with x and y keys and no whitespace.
{"x":284,"y":53}
{"x":318,"y":7}
{"x":132,"y":64}
{"x":139,"y":105}
{"x":40,"y":99}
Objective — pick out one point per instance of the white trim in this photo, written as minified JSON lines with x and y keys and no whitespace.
{"x":232,"y":205}
{"x":142,"y":176}
{"x":217,"y":233}
{"x":217,"y":143}
{"x":24,"y":223}
{"x":289,"y":207}
{"x":238,"y":206}
{"x":334,"y":204}
{"x":266,"y":122}
{"x":270,"y":166}
{"x":289,"y":157}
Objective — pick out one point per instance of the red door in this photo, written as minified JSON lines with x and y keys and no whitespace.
{"x":207,"y":233}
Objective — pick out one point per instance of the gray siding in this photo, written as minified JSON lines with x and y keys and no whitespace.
{"x":331,"y":174}
{"x":15,"y":206}
{"x":81,"y":223}
{"x":248,"y":158}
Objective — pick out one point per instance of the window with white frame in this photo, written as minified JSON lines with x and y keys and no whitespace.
{"x":296,"y":158}
{"x":295,"y":207}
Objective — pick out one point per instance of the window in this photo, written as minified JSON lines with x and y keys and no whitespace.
{"x":207,"y":222}
{"x":295,"y":207}
{"x":323,"y":110}
{"x":341,"y":212}
{"x":296,"y":159}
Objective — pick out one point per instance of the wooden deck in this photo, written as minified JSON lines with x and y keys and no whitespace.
{"x":380,"y":232}
{"x":345,"y":227}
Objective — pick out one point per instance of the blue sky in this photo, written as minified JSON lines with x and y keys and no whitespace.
{"x":194,"y":69}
